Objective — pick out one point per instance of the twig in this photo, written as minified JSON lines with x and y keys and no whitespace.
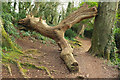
{"x":9,"y":69}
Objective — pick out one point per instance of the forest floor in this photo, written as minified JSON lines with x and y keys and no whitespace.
{"x":48,"y":55}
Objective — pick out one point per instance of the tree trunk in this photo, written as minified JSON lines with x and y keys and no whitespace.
{"x":6,"y":41}
{"x":81,"y":30}
{"x":57,"y":32}
{"x":118,"y":21}
{"x":102,"y":33}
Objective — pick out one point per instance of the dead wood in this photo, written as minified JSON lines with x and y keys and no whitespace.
{"x":57,"y":32}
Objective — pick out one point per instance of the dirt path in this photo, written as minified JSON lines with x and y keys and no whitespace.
{"x":49,"y":56}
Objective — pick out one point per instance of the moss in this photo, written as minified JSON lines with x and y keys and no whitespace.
{"x":9,"y":59}
{"x":24,"y":70}
{"x":6,"y":42}
{"x":31,"y":51}
{"x":75,"y":43}
{"x":13,"y":54}
{"x":30,"y":65}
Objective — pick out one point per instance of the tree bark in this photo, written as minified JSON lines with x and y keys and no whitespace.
{"x":81,"y":30}
{"x":6,"y":41}
{"x":57,"y":32}
{"x":118,"y":11}
{"x":102,"y":32}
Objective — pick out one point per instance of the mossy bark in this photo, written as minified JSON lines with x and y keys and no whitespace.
{"x":102,"y":33}
{"x":6,"y":41}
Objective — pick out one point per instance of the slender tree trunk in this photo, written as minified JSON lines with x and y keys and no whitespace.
{"x":81,"y":30}
{"x":57,"y":32}
{"x":118,"y":21}
{"x":15,"y":3}
{"x":102,"y":33}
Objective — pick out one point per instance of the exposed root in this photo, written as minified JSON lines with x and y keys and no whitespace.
{"x":33,"y":51}
{"x":21,"y":69}
{"x":38,"y":67}
{"x":18,"y":65}
{"x":9,"y":69}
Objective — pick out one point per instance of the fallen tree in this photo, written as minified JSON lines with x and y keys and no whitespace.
{"x":57,"y":32}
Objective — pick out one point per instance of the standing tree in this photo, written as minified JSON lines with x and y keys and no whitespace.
{"x":118,"y":12}
{"x":48,"y":10}
{"x":69,"y":8}
{"x":102,"y":33}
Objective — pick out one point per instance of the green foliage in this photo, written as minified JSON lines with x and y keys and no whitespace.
{"x":13,"y":55}
{"x":25,"y":33}
{"x":8,"y":25}
{"x":23,"y":6}
{"x":7,"y":44}
{"x":116,"y":30}
{"x":88,"y":33}
{"x":6,"y":49}
{"x":74,"y":8}
{"x":22,"y":14}
{"x":115,"y":45}
{"x":70,"y":34}
{"x":69,"y":8}
{"x":48,"y":11}
{"x":52,"y":41}
{"x":75,"y":27}
{"x":39,"y":36}
{"x":7,"y":17}
{"x":90,"y":4}
{"x":116,"y":57}
{"x":116,"y":60}
{"x":9,"y":10}
{"x":6,"y":7}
